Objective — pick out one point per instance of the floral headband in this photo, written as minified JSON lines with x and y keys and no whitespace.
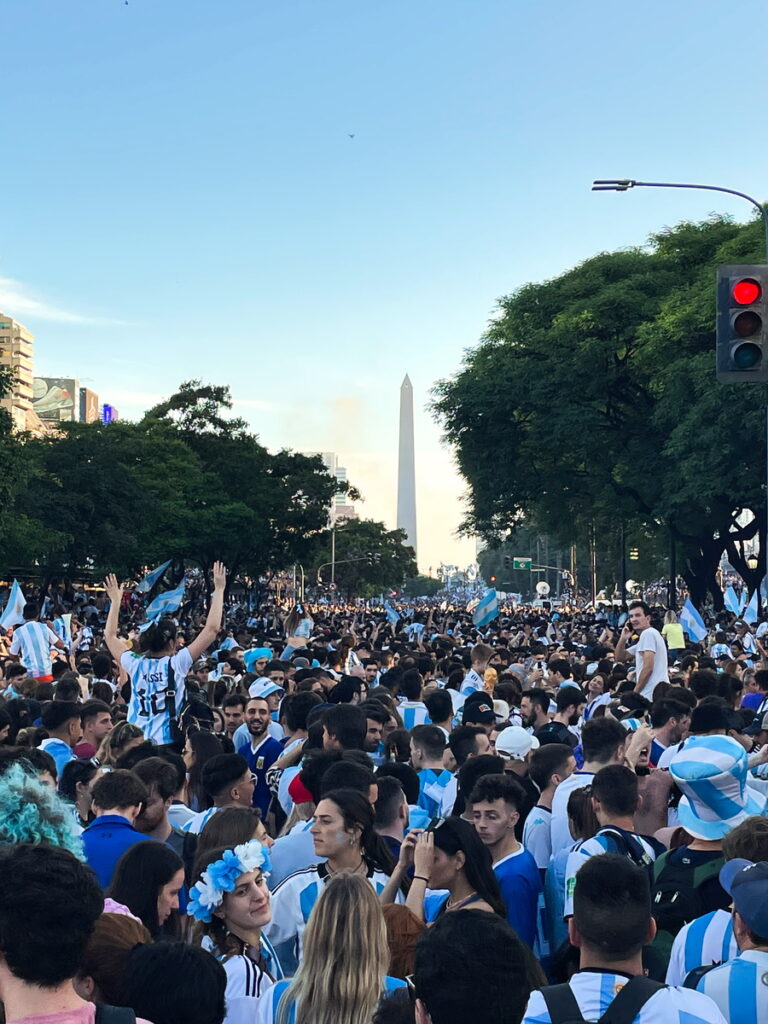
{"x":221,"y":876}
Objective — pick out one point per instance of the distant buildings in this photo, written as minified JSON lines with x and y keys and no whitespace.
{"x":39,"y":404}
{"x":341,"y":508}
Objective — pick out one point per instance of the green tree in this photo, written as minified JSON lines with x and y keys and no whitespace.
{"x":422,"y":586}
{"x":369,"y":558}
{"x":592,"y":397}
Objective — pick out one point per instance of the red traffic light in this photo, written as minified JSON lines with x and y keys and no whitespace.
{"x":746,"y":291}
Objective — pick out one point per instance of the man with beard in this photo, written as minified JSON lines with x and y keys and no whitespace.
{"x":570,"y":704}
{"x":534,"y":707}
{"x":261,"y":752}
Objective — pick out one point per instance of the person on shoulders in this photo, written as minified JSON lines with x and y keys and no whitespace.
{"x":611,"y":923}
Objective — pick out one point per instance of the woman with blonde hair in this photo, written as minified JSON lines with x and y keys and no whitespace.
{"x":122,"y":738}
{"x":343,"y":975}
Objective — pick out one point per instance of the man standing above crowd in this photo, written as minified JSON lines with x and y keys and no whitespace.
{"x":650,"y":651}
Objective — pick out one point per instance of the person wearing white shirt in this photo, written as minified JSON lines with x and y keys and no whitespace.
{"x":33,"y":642}
{"x":650,"y":651}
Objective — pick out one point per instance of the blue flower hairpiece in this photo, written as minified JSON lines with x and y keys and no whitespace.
{"x":221,"y":876}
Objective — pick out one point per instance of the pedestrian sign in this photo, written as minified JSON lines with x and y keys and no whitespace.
{"x":522,"y":563}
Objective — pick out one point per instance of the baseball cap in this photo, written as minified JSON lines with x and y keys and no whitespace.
{"x":514,"y":742}
{"x":480,"y":711}
{"x":747,"y":884}
{"x":759,"y":724}
{"x":263,"y":689}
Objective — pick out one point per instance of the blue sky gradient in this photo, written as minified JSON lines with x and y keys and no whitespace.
{"x":182,"y":197}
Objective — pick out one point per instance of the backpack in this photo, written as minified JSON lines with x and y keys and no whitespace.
{"x":629,"y":846}
{"x":675,"y":896}
{"x":114,"y":1014}
{"x":563,"y":1007}
{"x":195,"y":713}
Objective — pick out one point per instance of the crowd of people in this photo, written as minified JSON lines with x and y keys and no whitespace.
{"x":378,"y":815}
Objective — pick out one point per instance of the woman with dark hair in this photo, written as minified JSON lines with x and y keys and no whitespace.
{"x":75,"y":783}
{"x":346,"y":691}
{"x":343,"y":832}
{"x":158,"y":672}
{"x":199,"y":748}
{"x":147,"y":880}
{"x":232,"y":826}
{"x":449,"y":856}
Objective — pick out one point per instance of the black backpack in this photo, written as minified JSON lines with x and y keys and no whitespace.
{"x":628,"y":845}
{"x":676,"y":897}
{"x":563,"y":1007}
{"x":106,"y":1014}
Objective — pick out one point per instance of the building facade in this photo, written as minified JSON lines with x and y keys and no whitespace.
{"x":16,"y":352}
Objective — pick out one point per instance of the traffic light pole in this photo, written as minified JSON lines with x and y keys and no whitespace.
{"x":623,"y":185}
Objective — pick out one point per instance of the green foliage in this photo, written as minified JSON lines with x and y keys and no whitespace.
{"x":392,"y":561}
{"x":184,"y":482}
{"x":422,"y":586}
{"x":593,"y":396}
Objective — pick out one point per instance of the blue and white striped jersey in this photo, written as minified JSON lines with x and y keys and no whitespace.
{"x":149,"y":682}
{"x":294,"y":898}
{"x":705,"y":941}
{"x":248,"y":984}
{"x":603,"y":842}
{"x":740,"y":988}
{"x":33,"y":642}
{"x":413,"y":713}
{"x":198,"y":821}
{"x":432,"y":786}
{"x":596,"y":990}
{"x":472,"y":681}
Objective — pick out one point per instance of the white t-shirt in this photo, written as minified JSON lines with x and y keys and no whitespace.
{"x":537,"y":835}
{"x":651,"y":640}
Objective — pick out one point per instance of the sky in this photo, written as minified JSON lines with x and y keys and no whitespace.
{"x":306,"y":200}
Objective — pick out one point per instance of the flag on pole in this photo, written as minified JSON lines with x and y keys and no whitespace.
{"x":169,"y":601}
{"x":14,"y":608}
{"x":487,"y":609}
{"x":752,"y":611}
{"x":392,"y":617}
{"x":62,"y":627}
{"x":692,"y":622}
{"x":731,"y":601}
{"x":742,"y":600}
{"x":151,"y":578}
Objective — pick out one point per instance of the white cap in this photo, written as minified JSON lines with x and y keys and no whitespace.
{"x":516,"y":743}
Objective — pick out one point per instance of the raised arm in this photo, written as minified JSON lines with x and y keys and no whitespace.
{"x":114,"y":592}
{"x":210,"y":630}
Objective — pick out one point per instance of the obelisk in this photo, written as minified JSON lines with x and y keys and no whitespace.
{"x":406,"y":468}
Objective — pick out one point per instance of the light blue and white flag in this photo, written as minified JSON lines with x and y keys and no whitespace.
{"x":731,"y":601}
{"x":169,"y":601}
{"x":13,"y":614}
{"x":752,"y":610}
{"x":151,"y":578}
{"x":764,"y":588}
{"x":62,"y":627}
{"x":692,"y":622}
{"x":487,"y":609}
{"x":742,"y":600}
{"x":392,"y":617}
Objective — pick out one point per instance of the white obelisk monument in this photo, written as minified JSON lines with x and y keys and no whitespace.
{"x":406,"y":468}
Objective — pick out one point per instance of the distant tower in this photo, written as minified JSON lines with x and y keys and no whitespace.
{"x":406,"y":469}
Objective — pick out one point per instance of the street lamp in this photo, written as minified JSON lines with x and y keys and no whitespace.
{"x":752,"y":561}
{"x":623,"y":185}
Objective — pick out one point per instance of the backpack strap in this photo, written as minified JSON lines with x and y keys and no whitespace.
{"x":114,"y":1014}
{"x":170,"y":692}
{"x":561,"y":1004}
{"x":693,"y":978}
{"x":631,"y":845}
{"x":630,"y":1001}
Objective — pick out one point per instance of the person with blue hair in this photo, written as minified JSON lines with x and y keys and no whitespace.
{"x":32,"y":812}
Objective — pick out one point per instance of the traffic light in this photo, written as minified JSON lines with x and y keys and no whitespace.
{"x":507,"y":561}
{"x":634,"y":554}
{"x":493,"y":579}
{"x":742,"y":323}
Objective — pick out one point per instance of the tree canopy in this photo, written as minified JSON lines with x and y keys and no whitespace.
{"x":592,"y":398}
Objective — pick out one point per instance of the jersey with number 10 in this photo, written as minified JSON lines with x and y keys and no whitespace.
{"x":149,"y":682}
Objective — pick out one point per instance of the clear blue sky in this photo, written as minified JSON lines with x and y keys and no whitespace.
{"x":181,"y":197}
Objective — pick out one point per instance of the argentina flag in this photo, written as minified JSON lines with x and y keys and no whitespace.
{"x":13,"y":614}
{"x":731,"y":601}
{"x":692,"y":622}
{"x":151,"y":578}
{"x":487,"y":609}
{"x":169,"y":601}
{"x":752,"y":611}
{"x":62,"y":627}
{"x":392,"y":617}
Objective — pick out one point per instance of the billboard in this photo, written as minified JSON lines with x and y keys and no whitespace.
{"x":56,"y":399}
{"x":109,"y":414}
{"x":89,"y":406}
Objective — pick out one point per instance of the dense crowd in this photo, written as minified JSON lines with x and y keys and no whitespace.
{"x":381,"y":815}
